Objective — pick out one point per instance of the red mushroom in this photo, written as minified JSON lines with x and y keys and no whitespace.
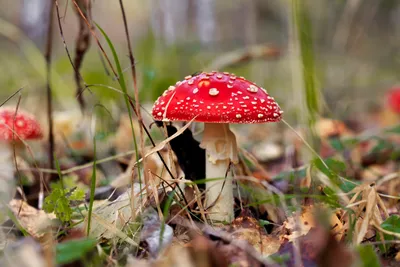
{"x":14,"y":127}
{"x":393,"y":99}
{"x":217,"y":99}
{"x":23,"y":124}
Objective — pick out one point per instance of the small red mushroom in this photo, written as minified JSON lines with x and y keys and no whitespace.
{"x":217,"y":99}
{"x":14,"y":126}
{"x":393,"y":99}
{"x":18,"y":126}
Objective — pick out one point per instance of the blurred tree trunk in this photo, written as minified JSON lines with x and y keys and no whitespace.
{"x":205,"y":20}
{"x":169,"y":19}
{"x":34,"y":20}
{"x":249,"y":11}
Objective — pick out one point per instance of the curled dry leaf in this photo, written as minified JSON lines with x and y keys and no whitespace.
{"x":248,"y":229}
{"x":301,"y":225}
{"x":35,"y":222}
{"x":153,"y":164}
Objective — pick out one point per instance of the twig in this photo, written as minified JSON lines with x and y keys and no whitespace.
{"x":136,"y":90}
{"x":11,"y":96}
{"x":49,"y":48}
{"x":242,"y":56}
{"x":77,"y":74}
{"x":15,"y":151}
{"x":81,"y":47}
{"x":95,"y":37}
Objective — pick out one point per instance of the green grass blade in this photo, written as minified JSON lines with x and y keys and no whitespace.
{"x":303,"y":40}
{"x":122,"y":84}
{"x":92,"y":188}
{"x":57,"y":164}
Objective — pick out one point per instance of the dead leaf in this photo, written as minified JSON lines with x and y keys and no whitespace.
{"x":248,"y":229}
{"x":300,"y":225}
{"x":109,"y":217}
{"x":317,"y":248}
{"x":35,"y":222}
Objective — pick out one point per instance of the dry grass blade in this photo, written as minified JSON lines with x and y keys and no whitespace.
{"x":163,"y":143}
{"x":368,"y":210}
{"x":369,"y":214}
{"x":114,"y":230}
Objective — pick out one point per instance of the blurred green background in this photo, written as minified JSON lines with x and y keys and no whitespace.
{"x":356,"y":48}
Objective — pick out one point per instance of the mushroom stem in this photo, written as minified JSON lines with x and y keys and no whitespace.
{"x":221,"y":149}
{"x":7,"y":183}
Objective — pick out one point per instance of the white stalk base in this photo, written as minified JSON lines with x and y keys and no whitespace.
{"x":221,"y":149}
{"x":219,"y":196}
{"x":7,"y":182}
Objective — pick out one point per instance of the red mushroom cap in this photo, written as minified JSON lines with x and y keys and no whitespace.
{"x":216,"y":98}
{"x":393,"y":99}
{"x":25,"y":125}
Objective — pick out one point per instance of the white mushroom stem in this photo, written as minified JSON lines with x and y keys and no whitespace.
{"x":221,"y":149}
{"x":7,"y":182}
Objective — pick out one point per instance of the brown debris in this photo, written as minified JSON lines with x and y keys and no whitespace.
{"x":35,"y":222}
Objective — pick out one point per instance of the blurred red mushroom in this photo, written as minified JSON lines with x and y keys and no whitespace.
{"x":390,"y":114}
{"x":393,"y":99}
{"x":217,"y":99}
{"x":14,"y":127}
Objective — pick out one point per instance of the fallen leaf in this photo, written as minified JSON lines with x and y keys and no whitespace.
{"x":317,"y":248}
{"x":298,"y":226}
{"x":248,"y":229}
{"x":35,"y":222}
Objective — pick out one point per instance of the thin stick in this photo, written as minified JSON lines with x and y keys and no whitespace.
{"x":136,"y":92}
{"x":76,"y":69}
{"x":11,"y":96}
{"x":97,"y":39}
{"x":49,"y":48}
{"x":81,"y":47}
{"x":242,"y":56}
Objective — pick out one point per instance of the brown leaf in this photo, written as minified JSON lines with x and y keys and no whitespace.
{"x":301,"y":225}
{"x":205,"y":252}
{"x":248,"y":229}
{"x":318,"y":247}
{"x":35,"y":222}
